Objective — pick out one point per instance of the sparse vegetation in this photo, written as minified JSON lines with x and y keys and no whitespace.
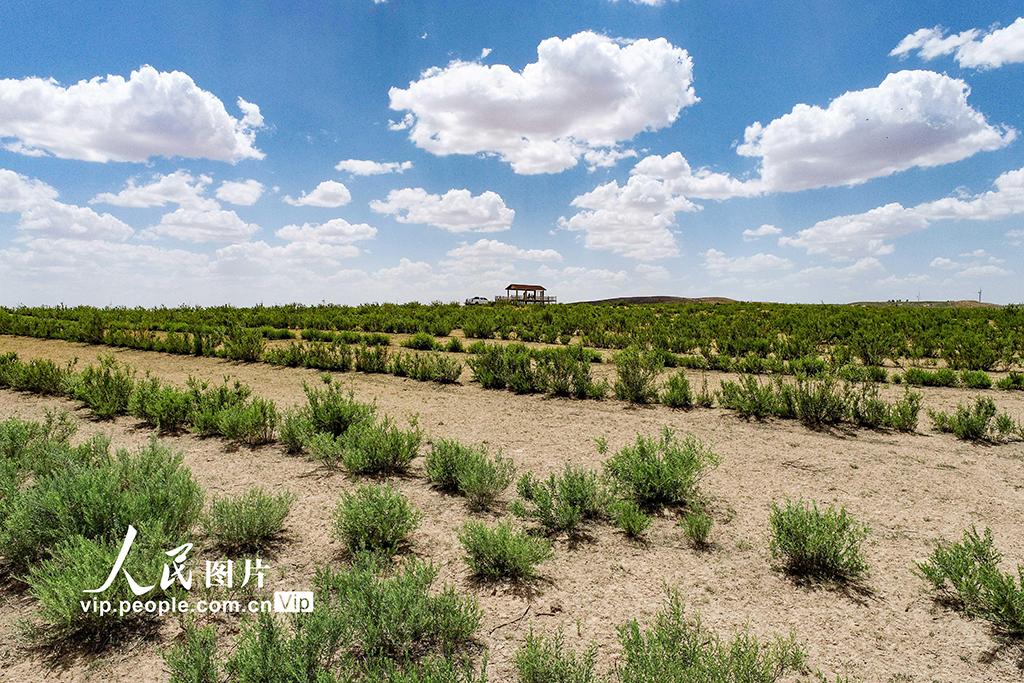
{"x":818,"y":543}
{"x":374,"y":519}
{"x":248,"y":522}
{"x":501,"y":552}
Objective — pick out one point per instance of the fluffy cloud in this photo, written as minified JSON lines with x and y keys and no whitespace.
{"x":334,"y":231}
{"x":636,"y":219}
{"x":489,"y":252}
{"x":151,"y":113}
{"x":454,"y":211}
{"x":240,"y":192}
{"x":765,"y":230}
{"x":972,"y":265}
{"x":586,"y":92}
{"x":717,"y":263}
{"x":972,"y":49}
{"x":42,"y":215}
{"x":201,"y":225}
{"x":368,"y":167}
{"x":913,"y":118}
{"x":870,"y":232}
{"x":180,"y":187}
{"x":258,"y":259}
{"x":329,"y":193}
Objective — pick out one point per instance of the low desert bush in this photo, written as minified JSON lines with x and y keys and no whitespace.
{"x":253,"y":423}
{"x":194,"y":659}
{"x":248,"y":522}
{"x":817,"y":543}
{"x":967,"y":574}
{"x":562,"y":503}
{"x":547,"y":659}
{"x":374,"y":519}
{"x":38,"y":376}
{"x":454,"y":345}
{"x":421,"y":341}
{"x":636,"y":375}
{"x":332,"y":409}
{"x":1012,"y":381}
{"x":163,"y":406}
{"x":378,"y":447}
{"x":820,"y":402}
{"x":243,"y":344}
{"x":296,"y":429}
{"x":366,"y":626}
{"x":372,"y":359}
{"x":468,"y":471}
{"x":629,"y":517}
{"x":208,"y":402}
{"x":660,"y":471}
{"x":978,"y":422}
{"x":975,"y":379}
{"x":105,"y":388}
{"x":500,"y":552}
{"x":677,"y":392}
{"x":77,"y":564}
{"x":697,"y":525}
{"x":749,"y":397}
{"x":677,"y":647}
{"x":98,"y":498}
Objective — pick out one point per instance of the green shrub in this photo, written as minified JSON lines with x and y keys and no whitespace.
{"x":662,"y":471}
{"x":943,"y":377}
{"x":548,"y":660}
{"x":374,"y":519}
{"x":566,"y":372}
{"x":98,"y":498}
{"x":749,"y":397}
{"x":105,"y":388}
{"x":249,"y":522}
{"x":560,"y":503}
{"x":676,"y":648}
{"x":39,"y":376}
{"x":167,"y":408}
{"x":637,"y":371}
{"x":677,"y":392}
{"x":975,"y":379}
{"x":979,"y":422}
{"x":1012,"y":381}
{"x":332,"y":409}
{"x":77,"y":564}
{"x":296,"y":429}
{"x":817,"y":543}
{"x":365,"y":626}
{"x":629,"y":517}
{"x":902,"y":415}
{"x":253,"y":423}
{"x":372,"y":359}
{"x":243,"y":343}
{"x":421,"y":341}
{"x":454,"y":345}
{"x":704,"y":398}
{"x":207,"y":403}
{"x":500,"y":552}
{"x":967,"y":574}
{"x":194,"y":659}
{"x":819,"y":402}
{"x":469,"y":471}
{"x":697,"y":525}
{"x":379,"y":447}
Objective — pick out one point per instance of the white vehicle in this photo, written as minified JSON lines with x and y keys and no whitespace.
{"x":477,"y":301}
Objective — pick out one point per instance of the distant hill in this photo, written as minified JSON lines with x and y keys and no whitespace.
{"x":961,"y":303}
{"x":627,"y":300}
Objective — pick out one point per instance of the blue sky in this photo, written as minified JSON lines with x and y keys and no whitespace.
{"x":511,"y":173}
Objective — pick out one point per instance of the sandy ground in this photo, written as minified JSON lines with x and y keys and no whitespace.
{"x":911,"y":489}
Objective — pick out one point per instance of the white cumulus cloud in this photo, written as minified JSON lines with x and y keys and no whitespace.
{"x":180,"y":187}
{"x":972,"y":49}
{"x":913,"y":118}
{"x":454,"y":211}
{"x":151,"y":113}
{"x":202,"y":225}
{"x":718,"y":263}
{"x":329,"y":194}
{"x":334,"y":231}
{"x":41,"y":215}
{"x":766,"y":230}
{"x":240,"y":192}
{"x":370,"y":167}
{"x":585,"y":92}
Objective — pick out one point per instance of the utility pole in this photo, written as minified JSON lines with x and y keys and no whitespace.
{"x":979,"y":295}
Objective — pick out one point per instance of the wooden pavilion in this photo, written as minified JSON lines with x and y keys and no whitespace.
{"x":526,"y":294}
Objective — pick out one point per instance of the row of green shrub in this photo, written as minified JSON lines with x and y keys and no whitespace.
{"x":554,"y":371}
{"x":820,"y":403}
{"x":980,"y":421}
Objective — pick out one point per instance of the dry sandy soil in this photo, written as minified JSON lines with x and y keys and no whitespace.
{"x":911,"y":489}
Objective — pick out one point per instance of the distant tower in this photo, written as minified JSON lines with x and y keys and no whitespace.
{"x":979,"y":295}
